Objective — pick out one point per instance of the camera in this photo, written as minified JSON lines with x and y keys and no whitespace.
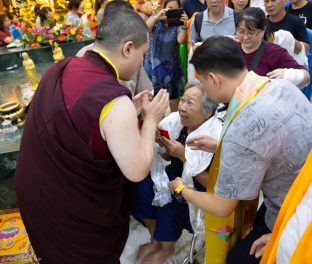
{"x":174,"y":16}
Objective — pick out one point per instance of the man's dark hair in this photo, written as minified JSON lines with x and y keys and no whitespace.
{"x":219,"y":54}
{"x":74,"y":4}
{"x":120,"y":27}
{"x":116,"y":6}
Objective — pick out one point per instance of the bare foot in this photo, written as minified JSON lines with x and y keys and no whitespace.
{"x":158,"y":257}
{"x":146,"y":249}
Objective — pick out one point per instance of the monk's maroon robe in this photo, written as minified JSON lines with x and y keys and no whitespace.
{"x":72,"y":195}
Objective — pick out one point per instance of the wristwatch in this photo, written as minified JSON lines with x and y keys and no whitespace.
{"x":184,"y":27}
{"x":178,"y":193}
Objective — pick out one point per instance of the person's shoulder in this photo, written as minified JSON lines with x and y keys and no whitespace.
{"x":293,"y":19}
{"x":186,"y":3}
{"x":229,"y":10}
{"x":309,"y":5}
{"x":274,"y":48}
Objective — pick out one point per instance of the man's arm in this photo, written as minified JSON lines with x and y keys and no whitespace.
{"x":132,"y":149}
{"x":210,"y":202}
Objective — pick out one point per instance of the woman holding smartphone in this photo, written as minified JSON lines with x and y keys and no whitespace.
{"x":162,"y":61}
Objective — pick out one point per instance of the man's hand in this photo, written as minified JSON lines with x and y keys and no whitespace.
{"x":156,"y":109}
{"x":139,"y":99}
{"x":204,"y":143}
{"x":175,"y":148}
{"x":174,"y":184}
{"x":259,"y":245}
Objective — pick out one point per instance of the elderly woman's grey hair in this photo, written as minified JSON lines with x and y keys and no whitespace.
{"x":206,"y":104}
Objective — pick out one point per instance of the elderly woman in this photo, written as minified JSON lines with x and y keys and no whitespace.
{"x":266,"y":59}
{"x":164,"y":218}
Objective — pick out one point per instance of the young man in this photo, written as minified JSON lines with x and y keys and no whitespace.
{"x":81,"y":145}
{"x":302,"y":9}
{"x":278,"y":19}
{"x":263,"y":143}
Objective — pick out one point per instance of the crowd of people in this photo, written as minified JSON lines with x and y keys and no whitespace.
{"x":99,"y":144}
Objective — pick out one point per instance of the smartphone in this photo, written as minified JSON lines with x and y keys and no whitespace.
{"x":174,"y":16}
{"x":164,"y":133}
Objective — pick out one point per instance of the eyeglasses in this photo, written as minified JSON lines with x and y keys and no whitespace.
{"x":242,"y":33}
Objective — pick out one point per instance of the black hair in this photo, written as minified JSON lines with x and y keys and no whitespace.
{"x":165,"y":2}
{"x":231,"y":5}
{"x":98,"y":4}
{"x":43,"y":14}
{"x":220,"y":54}
{"x":74,"y":4}
{"x":254,"y":18}
{"x":2,"y":18}
{"x":118,"y":28}
{"x":116,"y":6}
{"x":37,"y":10}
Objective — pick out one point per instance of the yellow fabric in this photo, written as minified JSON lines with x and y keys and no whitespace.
{"x":14,"y":242}
{"x":189,"y":22}
{"x":303,"y":252}
{"x":105,"y":110}
{"x":221,"y":234}
{"x":108,"y":60}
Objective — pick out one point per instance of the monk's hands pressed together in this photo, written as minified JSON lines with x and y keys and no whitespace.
{"x":155,"y":110}
{"x":139,"y":99}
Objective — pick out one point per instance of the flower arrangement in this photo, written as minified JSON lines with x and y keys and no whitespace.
{"x":50,"y":32}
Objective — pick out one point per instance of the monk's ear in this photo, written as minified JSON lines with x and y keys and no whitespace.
{"x":127,"y":49}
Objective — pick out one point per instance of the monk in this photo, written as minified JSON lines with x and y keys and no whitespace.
{"x":81,"y":147}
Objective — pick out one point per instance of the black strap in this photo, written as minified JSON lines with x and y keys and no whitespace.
{"x":198,"y":21}
{"x":258,"y":56}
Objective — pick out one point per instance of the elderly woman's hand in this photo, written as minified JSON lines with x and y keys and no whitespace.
{"x":204,"y":143}
{"x":174,"y":148}
{"x":174,"y":184}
